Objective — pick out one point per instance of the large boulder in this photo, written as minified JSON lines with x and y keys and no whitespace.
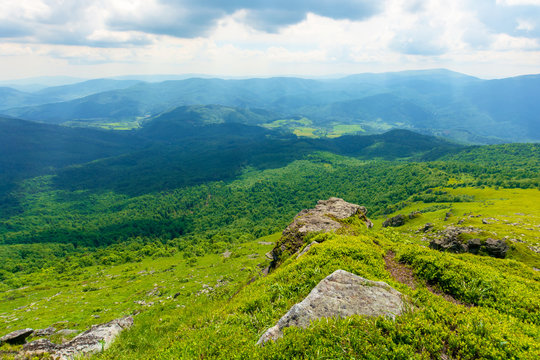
{"x":395,"y":221}
{"x":16,"y":337}
{"x":496,"y":248}
{"x":340,"y":294}
{"x":323,"y":218}
{"x":97,"y":339}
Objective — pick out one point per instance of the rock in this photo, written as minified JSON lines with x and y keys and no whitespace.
{"x":448,"y":244}
{"x":227,"y":254}
{"x":427,"y":227}
{"x":306,"y":249}
{"x":461,"y":221}
{"x":16,"y":337}
{"x":474,"y":245}
{"x":97,"y":339}
{"x":39,"y":347}
{"x":484,"y":221}
{"x":414,"y":214}
{"x":395,"y":221}
{"x":340,"y":294}
{"x":323,"y":218}
{"x":448,"y":215}
{"x":44,"y":332}
{"x":449,"y":240}
{"x":496,"y":248}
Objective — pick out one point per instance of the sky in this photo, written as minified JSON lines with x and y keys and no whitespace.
{"x":101,"y":38}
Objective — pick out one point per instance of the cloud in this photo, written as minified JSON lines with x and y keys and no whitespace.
{"x":418,"y":42}
{"x":519,"y":18}
{"x":190,"y":18}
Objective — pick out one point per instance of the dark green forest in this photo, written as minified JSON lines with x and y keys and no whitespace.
{"x":121,"y":209}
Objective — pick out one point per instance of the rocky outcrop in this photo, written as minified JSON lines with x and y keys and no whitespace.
{"x":340,"y":294}
{"x":40,"y":347}
{"x":97,"y":339}
{"x":323,"y":218}
{"x":450,"y":240}
{"x":394,"y":221}
{"x":16,"y":337}
{"x":44,"y":332}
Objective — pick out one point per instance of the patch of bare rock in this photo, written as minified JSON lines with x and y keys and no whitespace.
{"x":340,"y":294}
{"x":96,"y":339}
{"x":323,"y":218}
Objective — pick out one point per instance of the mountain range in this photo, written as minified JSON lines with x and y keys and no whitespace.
{"x":437,"y":102}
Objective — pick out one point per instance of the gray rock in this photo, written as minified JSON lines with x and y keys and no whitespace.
{"x":448,"y":244}
{"x":394,"y":221}
{"x":474,"y":245}
{"x":496,"y":248}
{"x":45,"y":332}
{"x":323,"y":218}
{"x":39,"y":347}
{"x":340,"y":294}
{"x":16,"y":337}
{"x":97,"y":339}
{"x":449,"y":240}
{"x":427,"y":227}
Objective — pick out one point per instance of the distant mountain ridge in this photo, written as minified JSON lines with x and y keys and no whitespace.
{"x":432,"y":101}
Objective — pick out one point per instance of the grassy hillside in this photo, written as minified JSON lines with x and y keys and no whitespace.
{"x":192,"y":306}
{"x":130,"y":235}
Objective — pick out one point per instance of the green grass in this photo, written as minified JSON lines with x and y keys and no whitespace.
{"x":99,"y":294}
{"x":512,"y":214}
{"x":229,"y":327}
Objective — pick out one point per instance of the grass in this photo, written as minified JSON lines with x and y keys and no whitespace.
{"x":497,"y":315}
{"x":100,"y":294}
{"x":512,"y":214}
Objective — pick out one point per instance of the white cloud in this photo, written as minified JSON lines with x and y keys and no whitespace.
{"x":100,"y":37}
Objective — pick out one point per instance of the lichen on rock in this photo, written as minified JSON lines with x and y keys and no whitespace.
{"x":325,"y":217}
{"x":341,"y":294}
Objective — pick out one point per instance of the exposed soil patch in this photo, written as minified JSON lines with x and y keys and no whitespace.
{"x":404,"y":274}
{"x":399,"y":272}
{"x":445,"y":296}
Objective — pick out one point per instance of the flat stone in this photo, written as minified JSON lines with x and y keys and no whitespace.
{"x":16,"y":337}
{"x":341,"y":294}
